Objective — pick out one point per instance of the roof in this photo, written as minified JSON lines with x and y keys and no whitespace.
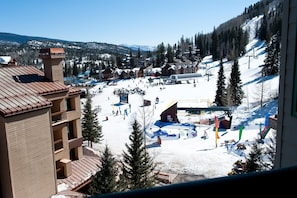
{"x":22,"y":88}
{"x":170,"y":104}
{"x":82,"y":170}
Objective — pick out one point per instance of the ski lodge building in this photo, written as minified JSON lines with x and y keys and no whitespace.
{"x":40,"y":128}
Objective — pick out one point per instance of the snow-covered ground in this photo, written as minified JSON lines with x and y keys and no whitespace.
{"x":210,"y":157}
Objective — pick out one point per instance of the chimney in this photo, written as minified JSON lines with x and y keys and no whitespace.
{"x":52,"y":60}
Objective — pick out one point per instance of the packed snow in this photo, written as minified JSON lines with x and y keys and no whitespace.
{"x":200,"y":153}
{"x":184,"y":154}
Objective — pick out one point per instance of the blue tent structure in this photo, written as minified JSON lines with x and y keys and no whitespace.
{"x":172,"y":130}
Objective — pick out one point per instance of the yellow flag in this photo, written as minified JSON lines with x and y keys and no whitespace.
{"x":217,"y":129}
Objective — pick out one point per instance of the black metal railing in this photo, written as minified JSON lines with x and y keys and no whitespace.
{"x":258,"y":184}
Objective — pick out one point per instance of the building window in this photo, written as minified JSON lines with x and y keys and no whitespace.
{"x":73,"y":154}
{"x":71,"y":133}
{"x":60,"y":170}
{"x":58,"y":140}
{"x":58,"y":144}
{"x":56,"y":111}
{"x":70,"y":104}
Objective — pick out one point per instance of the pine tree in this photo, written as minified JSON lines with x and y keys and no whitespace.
{"x":254,"y":161}
{"x":220,"y":98}
{"x":75,"y":70}
{"x":169,"y":54}
{"x":272,"y":61}
{"x":214,"y":45}
{"x":91,"y":130}
{"x":262,"y":32}
{"x":160,"y":56}
{"x":137,"y":166}
{"x":235,"y":85}
{"x":238,"y":168}
{"x":131,"y":60}
{"x":270,"y":151}
{"x":105,"y":180}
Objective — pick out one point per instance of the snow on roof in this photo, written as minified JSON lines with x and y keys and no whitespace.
{"x":5,"y":59}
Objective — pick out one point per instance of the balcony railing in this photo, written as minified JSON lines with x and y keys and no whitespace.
{"x":266,"y":184}
{"x":74,"y":143}
{"x":57,"y":117}
{"x":58,"y":144}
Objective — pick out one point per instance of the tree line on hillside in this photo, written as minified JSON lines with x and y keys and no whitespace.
{"x":269,"y":31}
{"x":226,"y":41}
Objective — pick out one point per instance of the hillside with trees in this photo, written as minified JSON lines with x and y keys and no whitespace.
{"x":225,"y":41}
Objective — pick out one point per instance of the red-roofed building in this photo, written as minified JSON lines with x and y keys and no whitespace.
{"x":40,"y":127}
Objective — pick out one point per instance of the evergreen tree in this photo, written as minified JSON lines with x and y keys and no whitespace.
{"x":131,"y":60}
{"x":254,"y":161}
{"x":177,"y":52}
{"x":169,"y":54}
{"x":272,"y":61}
{"x":119,"y":62}
{"x":235,"y":85}
{"x":262,"y":32}
{"x":138,"y":53}
{"x":160,"y":55}
{"x":270,"y":151}
{"x":221,"y":93}
{"x":238,"y":168}
{"x":75,"y":70}
{"x":214,"y":45}
{"x":91,"y":130}
{"x":137,"y":166}
{"x":200,"y":42}
{"x":105,"y":180}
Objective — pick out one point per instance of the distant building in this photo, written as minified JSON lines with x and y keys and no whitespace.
{"x":40,"y":127}
{"x":170,"y":113}
{"x":7,"y":60}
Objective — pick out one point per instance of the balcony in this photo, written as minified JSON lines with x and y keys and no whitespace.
{"x":58,"y":144}
{"x":76,"y":142}
{"x":57,"y":117}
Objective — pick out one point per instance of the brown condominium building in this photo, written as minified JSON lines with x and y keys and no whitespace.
{"x":40,"y":128}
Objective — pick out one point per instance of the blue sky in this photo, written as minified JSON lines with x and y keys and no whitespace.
{"x":140,"y":22}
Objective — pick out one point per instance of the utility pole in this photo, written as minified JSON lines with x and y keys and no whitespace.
{"x":249,"y":60}
{"x":249,"y":55}
{"x":207,"y":72}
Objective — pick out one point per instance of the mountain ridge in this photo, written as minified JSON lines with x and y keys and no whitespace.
{"x":17,"y":39}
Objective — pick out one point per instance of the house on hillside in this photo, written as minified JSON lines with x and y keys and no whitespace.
{"x":168,"y":70}
{"x":107,"y":74}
